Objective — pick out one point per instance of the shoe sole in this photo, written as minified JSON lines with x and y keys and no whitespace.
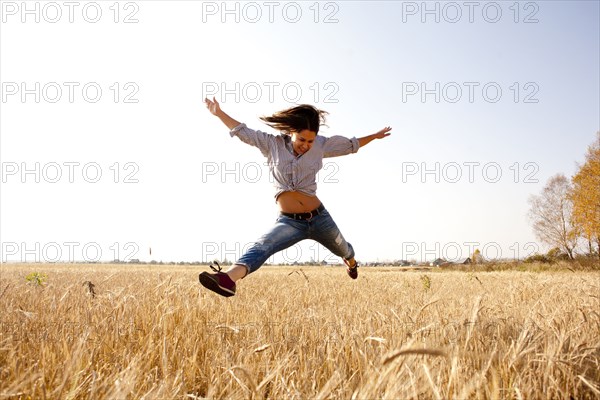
{"x":208,"y":282}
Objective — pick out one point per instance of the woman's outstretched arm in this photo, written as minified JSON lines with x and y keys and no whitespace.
{"x":215,"y":109}
{"x":262,"y":140}
{"x":378,"y":135}
{"x":336,"y":146}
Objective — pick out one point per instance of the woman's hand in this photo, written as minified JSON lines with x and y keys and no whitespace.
{"x":377,"y":135}
{"x":215,"y":109}
{"x":213,"y":106}
{"x":382,"y":133}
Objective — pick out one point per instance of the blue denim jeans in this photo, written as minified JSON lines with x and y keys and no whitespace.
{"x":287,"y":231}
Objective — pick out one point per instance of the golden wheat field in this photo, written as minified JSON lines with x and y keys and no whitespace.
{"x":152,"y":332}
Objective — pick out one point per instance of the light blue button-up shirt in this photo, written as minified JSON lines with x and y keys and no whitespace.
{"x":294,"y":173}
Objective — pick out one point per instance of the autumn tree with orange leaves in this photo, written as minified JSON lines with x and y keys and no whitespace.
{"x":585,"y":197}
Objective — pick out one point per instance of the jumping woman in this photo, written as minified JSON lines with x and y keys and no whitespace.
{"x":294,"y":158}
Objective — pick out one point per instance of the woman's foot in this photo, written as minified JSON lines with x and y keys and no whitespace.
{"x":219,"y":282}
{"x":352,"y":269}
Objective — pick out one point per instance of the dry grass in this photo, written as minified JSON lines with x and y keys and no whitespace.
{"x":122,"y":332}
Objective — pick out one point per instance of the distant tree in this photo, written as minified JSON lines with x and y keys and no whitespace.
{"x":554,"y":253}
{"x":585,"y":197}
{"x":537,"y":258}
{"x":477,"y":258}
{"x":551,"y":214}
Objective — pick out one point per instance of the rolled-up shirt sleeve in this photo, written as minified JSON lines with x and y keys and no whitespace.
{"x":336,"y":146}
{"x":259,"y":139}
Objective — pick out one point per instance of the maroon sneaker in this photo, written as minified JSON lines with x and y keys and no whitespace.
{"x":219,"y":282}
{"x":352,"y":272}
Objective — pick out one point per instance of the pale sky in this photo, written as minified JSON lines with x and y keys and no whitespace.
{"x":487,"y":100}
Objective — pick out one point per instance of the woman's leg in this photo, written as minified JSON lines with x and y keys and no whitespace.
{"x":237,"y":272}
{"x":285,"y":233}
{"x":325,"y":231}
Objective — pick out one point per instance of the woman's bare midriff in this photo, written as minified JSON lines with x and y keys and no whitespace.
{"x":296,"y":202}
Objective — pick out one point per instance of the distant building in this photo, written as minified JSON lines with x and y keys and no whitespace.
{"x":437,"y":262}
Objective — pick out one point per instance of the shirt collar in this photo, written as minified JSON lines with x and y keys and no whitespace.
{"x":288,"y":145}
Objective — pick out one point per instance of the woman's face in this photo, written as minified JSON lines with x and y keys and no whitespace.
{"x":302,"y":141}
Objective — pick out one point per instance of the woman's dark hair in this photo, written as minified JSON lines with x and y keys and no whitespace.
{"x":297,"y":118}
